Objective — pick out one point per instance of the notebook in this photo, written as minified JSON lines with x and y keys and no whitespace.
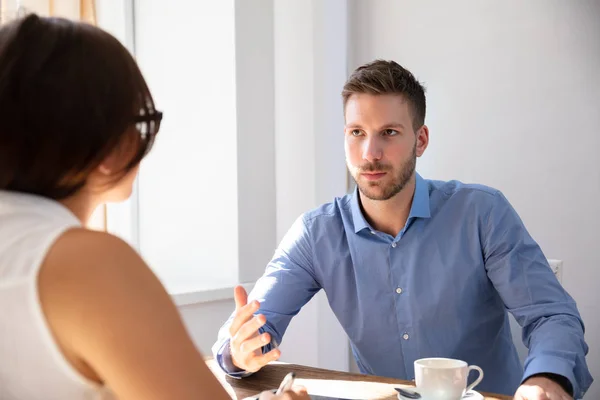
{"x":312,"y":396}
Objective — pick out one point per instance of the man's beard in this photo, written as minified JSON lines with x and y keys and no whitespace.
{"x":401,"y":178}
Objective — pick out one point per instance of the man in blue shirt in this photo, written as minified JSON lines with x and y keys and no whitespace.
{"x":414,"y":268}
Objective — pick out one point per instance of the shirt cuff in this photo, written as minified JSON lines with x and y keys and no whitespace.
{"x":224,"y":360}
{"x":552,"y":365}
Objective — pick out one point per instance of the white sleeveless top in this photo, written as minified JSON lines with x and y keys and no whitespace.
{"x":32,"y":366}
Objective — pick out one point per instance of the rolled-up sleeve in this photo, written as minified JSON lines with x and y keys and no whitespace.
{"x":553,"y":330}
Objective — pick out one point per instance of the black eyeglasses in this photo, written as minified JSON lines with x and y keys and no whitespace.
{"x":148,"y":126}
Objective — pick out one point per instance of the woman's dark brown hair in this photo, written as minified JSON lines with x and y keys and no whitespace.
{"x":70,"y":94}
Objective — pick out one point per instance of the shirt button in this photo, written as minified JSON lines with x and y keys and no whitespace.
{"x":405,"y":336}
{"x":399,"y":290}
{"x":393,"y":244}
{"x":373,"y":232}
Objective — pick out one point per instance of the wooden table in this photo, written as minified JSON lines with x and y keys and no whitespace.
{"x":318,"y":381}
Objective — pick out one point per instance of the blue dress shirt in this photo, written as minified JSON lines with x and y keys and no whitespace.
{"x":441,"y":288}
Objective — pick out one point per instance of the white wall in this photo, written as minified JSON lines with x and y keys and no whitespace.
{"x":255,"y":95}
{"x":310,"y":68}
{"x":203,"y":321}
{"x":513,"y":102}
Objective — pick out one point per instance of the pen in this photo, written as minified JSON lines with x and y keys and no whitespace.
{"x":286,"y":383}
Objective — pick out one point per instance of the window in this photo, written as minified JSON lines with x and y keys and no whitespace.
{"x":186,"y":216}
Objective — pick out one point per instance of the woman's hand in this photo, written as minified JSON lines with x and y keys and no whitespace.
{"x":297,"y":393}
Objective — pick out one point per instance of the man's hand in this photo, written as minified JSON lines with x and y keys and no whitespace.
{"x":246,"y":343}
{"x":541,"y":388}
{"x":294,"y":394}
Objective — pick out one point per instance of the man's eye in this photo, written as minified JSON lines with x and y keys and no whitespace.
{"x":356,"y":132}
{"x":390,"y":132}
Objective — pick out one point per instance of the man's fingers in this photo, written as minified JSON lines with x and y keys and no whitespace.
{"x":250,"y":328}
{"x":240,"y":296}
{"x":255,"y":343}
{"x":243,"y":315}
{"x":257,"y":362}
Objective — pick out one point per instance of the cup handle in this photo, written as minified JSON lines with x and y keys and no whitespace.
{"x":479,"y":378}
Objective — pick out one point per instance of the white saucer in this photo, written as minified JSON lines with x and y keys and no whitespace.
{"x":470,"y":395}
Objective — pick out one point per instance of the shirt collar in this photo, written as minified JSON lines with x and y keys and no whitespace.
{"x":419,"y":208}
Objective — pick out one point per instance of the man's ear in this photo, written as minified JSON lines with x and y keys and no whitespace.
{"x":422,"y":140}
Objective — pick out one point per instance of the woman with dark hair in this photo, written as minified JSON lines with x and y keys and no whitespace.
{"x":81,"y":315}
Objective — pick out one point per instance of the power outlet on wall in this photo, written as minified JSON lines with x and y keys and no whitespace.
{"x":557,"y":268}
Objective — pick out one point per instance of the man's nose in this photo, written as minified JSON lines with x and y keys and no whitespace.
{"x":372,"y":150}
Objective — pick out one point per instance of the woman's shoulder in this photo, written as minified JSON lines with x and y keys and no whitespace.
{"x":83,"y":260}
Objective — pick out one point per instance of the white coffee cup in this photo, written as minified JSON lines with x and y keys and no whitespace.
{"x":444,"y":378}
